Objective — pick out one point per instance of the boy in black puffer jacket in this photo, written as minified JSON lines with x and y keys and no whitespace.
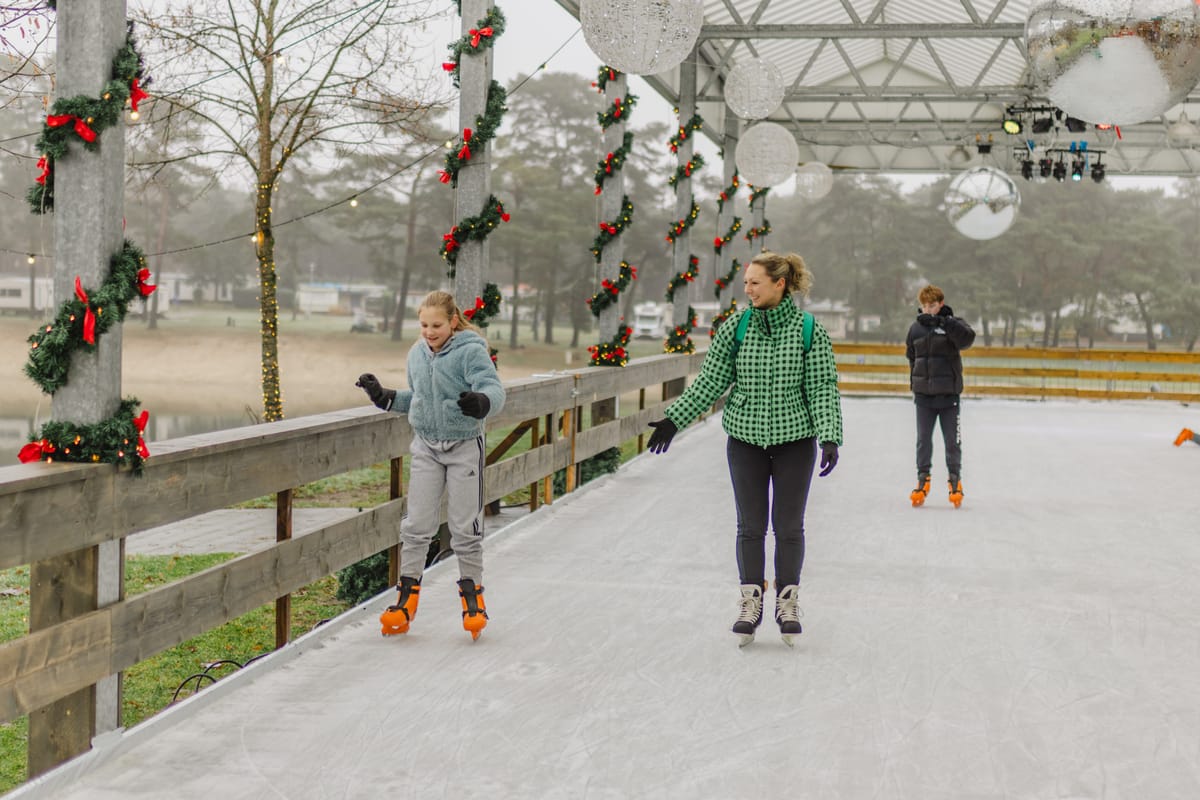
{"x":934,"y":342}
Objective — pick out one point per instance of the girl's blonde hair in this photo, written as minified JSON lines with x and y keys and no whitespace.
{"x":789,"y":267}
{"x":444,"y":301}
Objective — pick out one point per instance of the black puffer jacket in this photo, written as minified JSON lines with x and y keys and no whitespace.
{"x":936,"y":367}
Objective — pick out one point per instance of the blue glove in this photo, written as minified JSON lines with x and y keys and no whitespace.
{"x":664,"y":432}
{"x":829,"y":457}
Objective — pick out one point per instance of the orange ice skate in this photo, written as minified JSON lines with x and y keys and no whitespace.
{"x":1183,"y":436}
{"x":397,"y":617}
{"x":474,"y":613}
{"x":921,"y":492}
{"x":956,"y":490}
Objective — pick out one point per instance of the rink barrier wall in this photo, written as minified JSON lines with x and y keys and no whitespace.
{"x":50,"y":510}
{"x":1097,"y":374}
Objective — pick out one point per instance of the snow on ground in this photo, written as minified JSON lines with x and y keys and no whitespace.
{"x":1040,"y":642}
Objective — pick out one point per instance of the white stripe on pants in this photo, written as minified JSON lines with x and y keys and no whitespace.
{"x":456,"y":469}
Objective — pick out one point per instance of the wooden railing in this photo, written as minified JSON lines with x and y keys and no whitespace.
{"x":48,"y":511}
{"x":1030,"y":372}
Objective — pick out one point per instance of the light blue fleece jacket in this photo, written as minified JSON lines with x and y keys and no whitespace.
{"x":436,"y":379}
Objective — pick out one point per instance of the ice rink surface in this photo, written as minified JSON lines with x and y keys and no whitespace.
{"x":1040,"y":642}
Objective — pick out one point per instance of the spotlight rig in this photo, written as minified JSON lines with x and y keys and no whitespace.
{"x":1059,"y":162}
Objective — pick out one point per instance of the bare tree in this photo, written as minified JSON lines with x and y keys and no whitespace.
{"x":270,"y":79}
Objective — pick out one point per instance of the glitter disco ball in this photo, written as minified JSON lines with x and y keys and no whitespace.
{"x":766,"y":154}
{"x":1114,"y":61}
{"x":981,"y":203}
{"x":641,"y":37}
{"x":814,"y":180}
{"x":754,"y":88}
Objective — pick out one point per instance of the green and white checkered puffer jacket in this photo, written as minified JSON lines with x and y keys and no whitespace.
{"x":767,"y":405}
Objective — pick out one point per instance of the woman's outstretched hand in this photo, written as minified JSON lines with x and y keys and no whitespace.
{"x":664,"y":432}
{"x":829,"y":457}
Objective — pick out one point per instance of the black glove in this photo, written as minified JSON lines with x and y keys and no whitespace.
{"x":928,"y":320}
{"x":381,"y":397}
{"x":829,"y":457}
{"x":945,"y":311}
{"x":474,"y":404}
{"x":664,"y":432}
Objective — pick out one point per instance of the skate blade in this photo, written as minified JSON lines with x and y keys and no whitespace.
{"x":789,"y":639}
{"x":392,"y":631}
{"x":745,"y":639}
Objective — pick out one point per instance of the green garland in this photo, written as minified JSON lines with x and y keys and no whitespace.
{"x":611,"y":230}
{"x":755,"y":194}
{"x":613,"y":162}
{"x":612,"y":353}
{"x":482,"y":37}
{"x":603,"y":76}
{"x":728,"y":192}
{"x":755,"y":233}
{"x":685,"y":130}
{"x":679,"y":226}
{"x":723,"y":282}
{"x":116,"y":440}
{"x":85,"y":118}
{"x":680,"y":339}
{"x":486,"y":307}
{"x":720,"y":241}
{"x":686,"y":170}
{"x":485,"y":129}
{"x":621,"y":107}
{"x":724,"y":315}
{"x":683,"y":278}
{"x":474,"y":229}
{"x":53,"y":344}
{"x":609,"y":290}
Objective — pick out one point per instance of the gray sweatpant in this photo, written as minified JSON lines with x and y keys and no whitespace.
{"x":456,"y":469}
{"x":951,"y":425}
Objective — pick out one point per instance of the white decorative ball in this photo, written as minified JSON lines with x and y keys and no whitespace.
{"x":1114,"y":61}
{"x":641,"y":37}
{"x":814,"y":180}
{"x":981,"y":203}
{"x":754,"y":88}
{"x":766,"y":154}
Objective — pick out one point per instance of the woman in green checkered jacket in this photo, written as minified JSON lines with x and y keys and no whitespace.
{"x":784,"y":400}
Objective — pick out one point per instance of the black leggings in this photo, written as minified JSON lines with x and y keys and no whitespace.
{"x":772,"y":480}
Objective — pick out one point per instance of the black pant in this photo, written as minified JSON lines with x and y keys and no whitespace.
{"x":951,"y":436}
{"x":772,"y":480}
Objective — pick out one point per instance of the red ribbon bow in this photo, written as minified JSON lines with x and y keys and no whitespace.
{"x":44,"y":165}
{"x":81,"y":127}
{"x":89,"y":317}
{"x":476,"y":35}
{"x":718,"y":242}
{"x":449,"y":66}
{"x":443,"y":176}
{"x":35,"y":451}
{"x":145,"y":288}
{"x":136,"y":94}
{"x":140,"y":422}
{"x":465,"y":153}
{"x":471,"y":312}
{"x":504,"y":215}
{"x":449,"y":242}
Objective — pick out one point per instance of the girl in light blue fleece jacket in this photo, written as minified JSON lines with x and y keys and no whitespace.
{"x":453,"y":386}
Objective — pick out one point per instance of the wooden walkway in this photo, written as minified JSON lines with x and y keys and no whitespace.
{"x":1040,"y":642}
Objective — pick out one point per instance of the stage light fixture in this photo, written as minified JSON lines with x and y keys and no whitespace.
{"x":1098,"y":172}
{"x":1012,"y":126}
{"x":1045,"y":166}
{"x":1043,"y":125}
{"x":1075,"y":125}
{"x":1027,"y":170}
{"x":1077,"y":169}
{"x":1060,"y":171}
{"x":983,"y":147}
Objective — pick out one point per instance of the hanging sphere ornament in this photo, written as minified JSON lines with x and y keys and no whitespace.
{"x":1114,"y":61}
{"x":641,"y":37}
{"x":982,"y":202}
{"x":754,"y":88}
{"x":814,"y":180}
{"x":766,"y":154}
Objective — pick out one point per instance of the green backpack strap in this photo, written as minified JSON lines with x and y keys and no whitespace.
{"x":738,"y":337}
{"x":808,"y":329}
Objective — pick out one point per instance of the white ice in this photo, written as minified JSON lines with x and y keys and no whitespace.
{"x":1040,"y":642}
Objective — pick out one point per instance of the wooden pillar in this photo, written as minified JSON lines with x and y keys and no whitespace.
{"x":283,"y":532}
{"x":395,"y":492}
{"x":610,"y":205}
{"x":475,"y":176}
{"x":729,"y":141}
{"x":683,"y":188}
{"x":88,"y":212}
